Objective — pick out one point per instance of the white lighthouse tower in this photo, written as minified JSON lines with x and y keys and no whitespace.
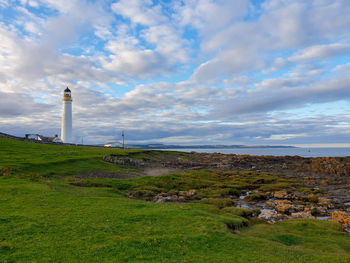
{"x":66,"y":126}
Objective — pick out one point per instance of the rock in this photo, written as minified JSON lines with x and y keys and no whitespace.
{"x":346,"y":228}
{"x":270,"y":203}
{"x":312,"y":209}
{"x":181,"y":198}
{"x":280,"y":194}
{"x":160,"y":200}
{"x":321,"y":211}
{"x":284,"y":207}
{"x":270,"y":215}
{"x":182,"y":193}
{"x":302,"y":215}
{"x":326,"y":202}
{"x":191,"y":192}
{"x":342,"y":217}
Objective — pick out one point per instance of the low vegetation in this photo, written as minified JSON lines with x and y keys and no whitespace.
{"x":46,"y":216}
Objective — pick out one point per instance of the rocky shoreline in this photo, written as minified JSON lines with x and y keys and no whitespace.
{"x":323,"y":192}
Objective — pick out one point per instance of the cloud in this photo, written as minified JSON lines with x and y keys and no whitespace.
{"x":18,"y":104}
{"x":243,"y":45}
{"x":203,"y":14}
{"x":181,"y":71}
{"x":228,"y":62}
{"x":320,"y":52}
{"x":140,"y":12}
{"x":279,"y":94}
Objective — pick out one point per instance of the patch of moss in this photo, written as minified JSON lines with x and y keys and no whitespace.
{"x":234,"y":223}
{"x":309,"y":190}
{"x":278,"y":186}
{"x":238,"y":211}
{"x":143,"y":194}
{"x":218,"y":202}
{"x":256,"y":196}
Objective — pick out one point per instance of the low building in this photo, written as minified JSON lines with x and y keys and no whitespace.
{"x":41,"y":138}
{"x":114,"y":144}
{"x":36,"y":137}
{"x":55,"y":139}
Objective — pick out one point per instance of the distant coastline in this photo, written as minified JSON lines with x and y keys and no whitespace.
{"x":164,"y":146}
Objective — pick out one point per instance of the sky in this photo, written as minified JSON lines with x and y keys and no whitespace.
{"x":254,"y":72}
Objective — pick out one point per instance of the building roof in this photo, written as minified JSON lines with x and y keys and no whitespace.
{"x":67,"y":90}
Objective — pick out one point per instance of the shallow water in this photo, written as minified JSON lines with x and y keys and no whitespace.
{"x":322,"y":217}
{"x":303,"y":152}
{"x":246,"y":194}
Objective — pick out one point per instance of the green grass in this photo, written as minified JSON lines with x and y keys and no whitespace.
{"x":25,"y":158}
{"x":52,"y":221}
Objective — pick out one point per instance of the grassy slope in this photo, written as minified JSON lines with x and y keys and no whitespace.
{"x":51,"y":221}
{"x":45,"y":159}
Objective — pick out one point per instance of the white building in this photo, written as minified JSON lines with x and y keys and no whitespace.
{"x":55,"y":139}
{"x":66,"y":125}
{"x":36,"y":137}
{"x":114,"y":144}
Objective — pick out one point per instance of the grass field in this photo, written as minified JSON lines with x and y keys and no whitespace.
{"x":45,"y":219}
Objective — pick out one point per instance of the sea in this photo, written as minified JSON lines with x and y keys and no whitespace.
{"x":303,"y":152}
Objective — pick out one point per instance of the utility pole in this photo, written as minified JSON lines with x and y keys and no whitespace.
{"x":123,"y":139}
{"x":82,"y":139}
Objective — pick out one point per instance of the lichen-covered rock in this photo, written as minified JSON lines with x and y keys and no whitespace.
{"x":191,"y":192}
{"x":301,"y":215}
{"x":285,"y":206}
{"x":162,"y":198}
{"x":329,"y":203}
{"x":342,"y":217}
{"x":281,"y":194}
{"x":181,"y":198}
{"x":271,"y":216}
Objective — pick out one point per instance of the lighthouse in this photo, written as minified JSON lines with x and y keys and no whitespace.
{"x":66,"y":125}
